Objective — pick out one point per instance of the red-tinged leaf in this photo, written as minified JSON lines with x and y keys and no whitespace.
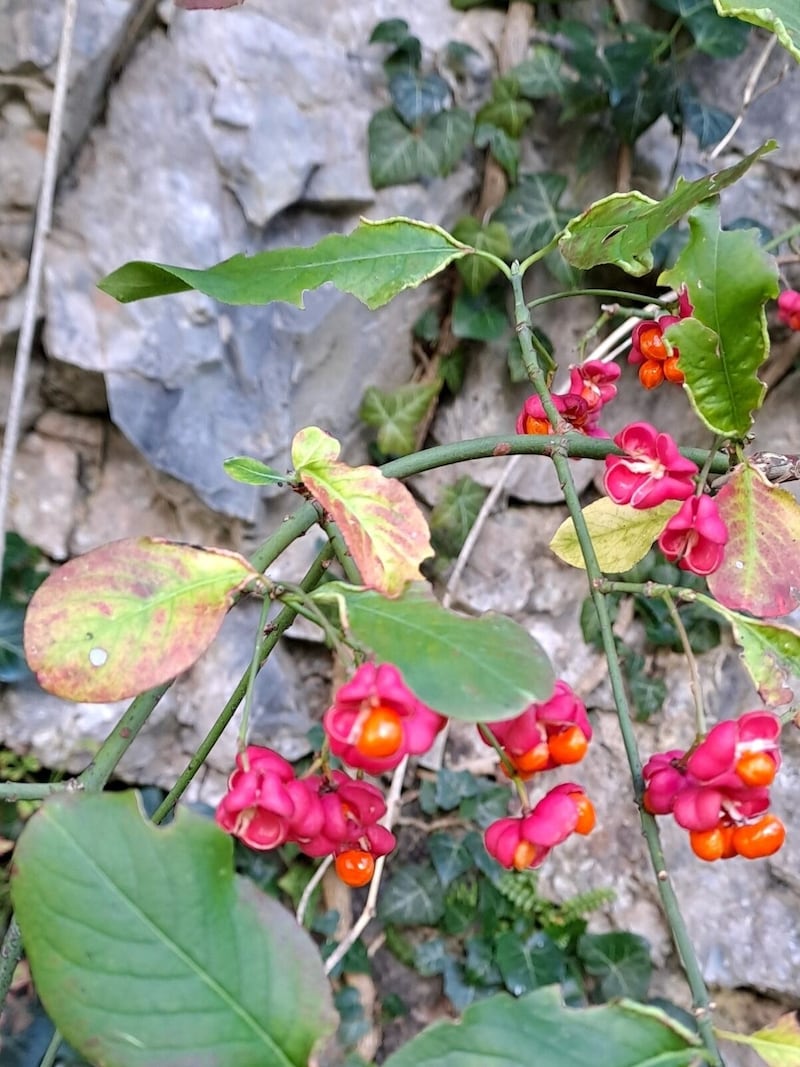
{"x":770,"y":652}
{"x":778,"y":1045}
{"x":128,"y":616}
{"x":760,"y":573}
{"x":382,"y":526}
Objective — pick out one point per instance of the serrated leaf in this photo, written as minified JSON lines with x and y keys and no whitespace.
{"x":770,"y":651}
{"x":382,"y":525}
{"x":476,"y":670}
{"x":479,"y":317}
{"x":778,"y":1045}
{"x":502,"y":1031}
{"x":620,"y":962}
{"x":397,"y":414}
{"x":418,"y":96}
{"x":540,"y":74}
{"x":449,"y":857}
{"x":476,"y":271}
{"x":622,"y":227}
{"x":712,"y":34}
{"x":782,"y":17}
{"x":729,"y":278}
{"x":621,"y":535}
{"x":375,"y":262}
{"x":253,"y":472}
{"x":760,"y":571}
{"x":709,"y":124}
{"x":398,"y":155}
{"x":145,"y":949}
{"x":412,"y":897}
{"x":129,"y":615}
{"x":531,"y":212}
{"x":529,"y":963}
{"x":454,"y":515}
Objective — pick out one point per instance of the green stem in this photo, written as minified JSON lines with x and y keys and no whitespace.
{"x":694,"y":677}
{"x":536,"y":256}
{"x":667,"y":893}
{"x":705,"y":469}
{"x":342,"y":553}
{"x":251,"y":675}
{"x":282,"y":622}
{"x":97,"y":774}
{"x":617,"y":294}
{"x":495,"y":260}
{"x":787,"y":235}
{"x":648,"y":589}
{"x":51,"y":1051}
{"x":11,"y":792}
{"x":10,"y":955}
{"x":292,"y":527}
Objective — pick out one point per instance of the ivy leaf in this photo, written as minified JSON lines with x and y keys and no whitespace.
{"x":619,"y":961}
{"x":540,"y":74}
{"x":254,"y":472}
{"x":530,"y":963}
{"x":760,"y":571}
{"x":413,"y":897}
{"x":192,"y":965}
{"x":638,"y":107}
{"x":621,"y":535}
{"x":777,"y":1045}
{"x":417,"y":97}
{"x":454,"y":515}
{"x":493,"y":238}
{"x":375,"y":262}
{"x":502,"y":1031}
{"x":709,"y":124}
{"x":398,"y":155}
{"x":729,"y":278}
{"x":531,"y":212}
{"x":481,"y":317}
{"x":450,"y":858}
{"x":621,"y":228}
{"x":381,"y":524}
{"x":129,"y":616}
{"x":389,"y":31}
{"x":397,"y":414}
{"x":712,"y":34}
{"x":449,"y":133}
{"x":508,"y":114}
{"x":770,"y":651}
{"x":782,"y":17}
{"x":504,"y":147}
{"x":475,"y":670}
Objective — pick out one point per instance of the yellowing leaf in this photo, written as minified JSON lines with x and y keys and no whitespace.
{"x":760,"y":572}
{"x":384,"y":530}
{"x":777,"y":1045}
{"x":621,"y":535}
{"x":128,"y":616}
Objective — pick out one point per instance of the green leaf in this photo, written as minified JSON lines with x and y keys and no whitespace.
{"x":712,"y":34}
{"x":254,"y":472}
{"x":620,"y":962}
{"x":398,"y":155}
{"x":418,"y":96}
{"x":778,"y":1045}
{"x":508,"y":114}
{"x":782,"y":17}
{"x":375,"y":262}
{"x":530,"y":963}
{"x":397,"y":414}
{"x":129,"y":615}
{"x":760,"y":571}
{"x":531,"y":213}
{"x":454,"y":515}
{"x":452,"y":787}
{"x":621,"y":228}
{"x":729,"y":278}
{"x":482,"y":317}
{"x":430,"y":957}
{"x":502,"y":1031}
{"x":476,"y":271}
{"x":648,"y":693}
{"x":389,"y":31}
{"x":709,"y":124}
{"x":476,"y":670}
{"x":145,"y":949}
{"x":621,"y":535}
{"x":504,"y":147}
{"x":13,"y":667}
{"x":450,"y":858}
{"x":412,"y":897}
{"x":381,"y":523}
{"x":638,"y":107}
{"x":770,"y":651}
{"x":540,"y":74}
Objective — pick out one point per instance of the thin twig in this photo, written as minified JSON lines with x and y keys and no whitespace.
{"x":747,"y":96}
{"x":475,"y":530}
{"x":308,"y":892}
{"x":368,"y":914}
{"x":44,"y":217}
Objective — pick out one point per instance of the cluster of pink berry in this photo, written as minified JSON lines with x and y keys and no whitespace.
{"x":789,"y":308}
{"x":655,"y":357}
{"x":591,"y":385}
{"x":651,"y":471}
{"x":718,"y":790}
{"x":374,"y":722}
{"x":542,"y":737}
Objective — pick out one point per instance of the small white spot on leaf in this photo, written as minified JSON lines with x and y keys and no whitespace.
{"x":97,"y":657}
{"x":739,"y":564}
